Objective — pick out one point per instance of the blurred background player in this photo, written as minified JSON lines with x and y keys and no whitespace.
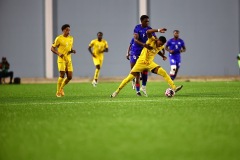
{"x":4,"y":73}
{"x":175,"y":47}
{"x":99,"y":46}
{"x":146,"y":61}
{"x":140,"y":38}
{"x":238,"y":58}
{"x":63,"y":47}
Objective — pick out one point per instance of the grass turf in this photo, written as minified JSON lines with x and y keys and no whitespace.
{"x":202,"y":122}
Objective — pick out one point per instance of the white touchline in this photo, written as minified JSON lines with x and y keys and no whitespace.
{"x":120,"y":101}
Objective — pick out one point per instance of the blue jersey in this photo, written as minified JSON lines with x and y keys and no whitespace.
{"x":136,"y":48}
{"x":176,"y":45}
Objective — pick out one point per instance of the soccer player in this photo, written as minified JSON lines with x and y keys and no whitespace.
{"x":175,"y":47}
{"x":140,"y":39}
{"x":99,"y":46}
{"x":145,"y":61}
{"x":63,"y":47}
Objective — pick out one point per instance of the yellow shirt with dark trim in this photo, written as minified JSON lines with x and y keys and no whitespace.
{"x":147,"y":56}
{"x":98,"y":46}
{"x":64,"y":45}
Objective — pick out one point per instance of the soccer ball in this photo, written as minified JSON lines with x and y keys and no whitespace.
{"x":169,"y":93}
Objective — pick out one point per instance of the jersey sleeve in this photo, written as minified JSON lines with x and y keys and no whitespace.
{"x":91,"y":44}
{"x":183,"y":44}
{"x":136,"y":30}
{"x":106,"y":44}
{"x":132,"y":41}
{"x":56,"y":42}
{"x":168,"y":43}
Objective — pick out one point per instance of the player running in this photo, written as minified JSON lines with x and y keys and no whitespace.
{"x":175,"y":47}
{"x":99,"y":46}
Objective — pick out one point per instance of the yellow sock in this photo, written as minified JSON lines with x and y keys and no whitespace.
{"x":167,"y":78}
{"x":96,"y":74}
{"x":125,"y":81}
{"x":64,"y":82}
{"x":59,"y":83}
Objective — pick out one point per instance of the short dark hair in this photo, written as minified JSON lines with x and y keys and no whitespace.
{"x":162,"y":39}
{"x":143,"y":17}
{"x":176,"y":31}
{"x":100,"y":33}
{"x":65,"y":26}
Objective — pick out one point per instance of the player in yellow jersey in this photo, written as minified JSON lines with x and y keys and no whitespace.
{"x":145,"y":61}
{"x":99,"y":46}
{"x":63,"y":47}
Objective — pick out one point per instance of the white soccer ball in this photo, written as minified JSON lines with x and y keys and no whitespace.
{"x":169,"y":93}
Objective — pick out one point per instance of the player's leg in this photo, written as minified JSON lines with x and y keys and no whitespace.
{"x":59,"y":83}
{"x":123,"y":83}
{"x":61,"y":68}
{"x":144,"y":82}
{"x":133,"y":60}
{"x":155,"y":68}
{"x":69,"y":72}
{"x":178,"y":63}
{"x":134,"y":79}
{"x":138,"y":67}
{"x":10,"y":74}
{"x":97,"y":63}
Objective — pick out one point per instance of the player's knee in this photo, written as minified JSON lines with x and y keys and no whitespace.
{"x":173,"y":69}
{"x":98,"y":66}
{"x":69,"y":78}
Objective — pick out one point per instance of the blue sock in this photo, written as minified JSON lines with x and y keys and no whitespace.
{"x":138,"y":87}
{"x":144,"y":78}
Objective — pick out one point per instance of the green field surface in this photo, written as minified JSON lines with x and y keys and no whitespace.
{"x":201,"y":122}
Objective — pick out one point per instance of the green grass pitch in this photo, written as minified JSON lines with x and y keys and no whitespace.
{"x":201,"y":122}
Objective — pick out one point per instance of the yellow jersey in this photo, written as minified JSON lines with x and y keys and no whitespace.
{"x":98,"y":46}
{"x":148,"y":55}
{"x":64,"y":45}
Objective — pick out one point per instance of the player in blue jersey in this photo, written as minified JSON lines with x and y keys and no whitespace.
{"x":140,"y":38}
{"x":175,"y":47}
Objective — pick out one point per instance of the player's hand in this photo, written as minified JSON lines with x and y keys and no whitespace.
{"x":162,"y":30}
{"x":73,"y":51}
{"x":164,"y":58}
{"x":171,"y":51}
{"x":93,"y":55}
{"x":61,"y":55}
{"x":148,"y":46}
{"x":127,"y":56}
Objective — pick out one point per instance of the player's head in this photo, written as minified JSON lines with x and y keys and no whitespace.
{"x":144,"y":20}
{"x":176,"y":33}
{"x":161,"y":41}
{"x":99,"y":35}
{"x":4,"y":59}
{"x":66,"y":29}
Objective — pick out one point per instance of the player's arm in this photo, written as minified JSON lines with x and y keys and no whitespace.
{"x":150,"y":31}
{"x":160,"y":53}
{"x":72,"y":51}
{"x":167,"y":48}
{"x":55,"y":51}
{"x":183,"y":49}
{"x":128,"y":52}
{"x":105,"y":50}
{"x":136,"y":37}
{"x":90,"y":50}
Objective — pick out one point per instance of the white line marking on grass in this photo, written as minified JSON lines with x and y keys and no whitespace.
{"x":122,"y":101}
